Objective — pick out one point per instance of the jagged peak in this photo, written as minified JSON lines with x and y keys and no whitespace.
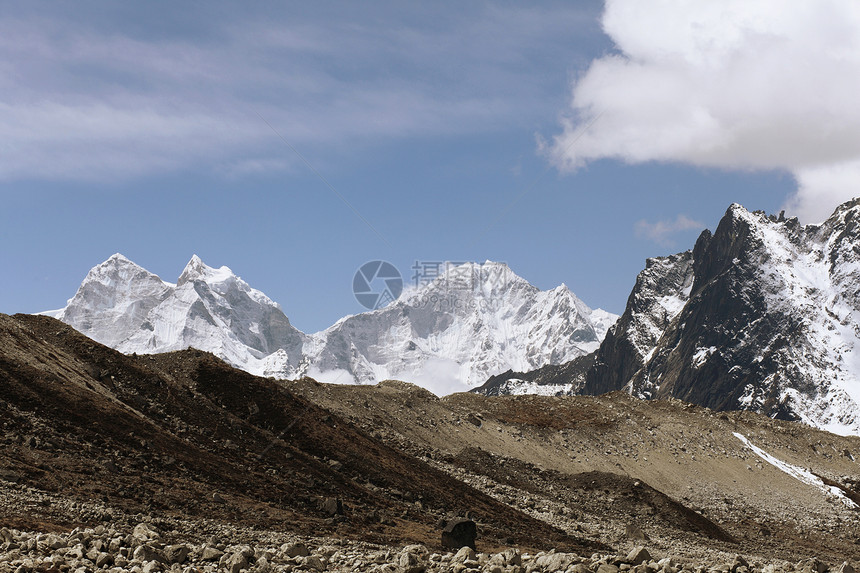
{"x":111,"y":268}
{"x":196,"y":270}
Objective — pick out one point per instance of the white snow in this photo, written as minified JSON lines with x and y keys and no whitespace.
{"x":798,"y":473}
{"x":701,"y":355}
{"x":811,"y":275}
{"x":475,"y":321}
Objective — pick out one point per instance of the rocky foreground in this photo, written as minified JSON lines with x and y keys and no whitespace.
{"x":147,"y":548}
{"x":179,"y":462}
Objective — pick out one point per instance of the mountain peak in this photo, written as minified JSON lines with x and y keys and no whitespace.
{"x":196,"y":270}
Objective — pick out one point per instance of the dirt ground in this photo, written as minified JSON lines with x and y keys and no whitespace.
{"x":90,"y":435}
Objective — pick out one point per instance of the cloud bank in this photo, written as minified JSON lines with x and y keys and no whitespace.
{"x":738,"y":84}
{"x":108,"y":91}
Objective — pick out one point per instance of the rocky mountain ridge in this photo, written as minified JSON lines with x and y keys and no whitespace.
{"x":762,"y":315}
{"x":473,"y":321}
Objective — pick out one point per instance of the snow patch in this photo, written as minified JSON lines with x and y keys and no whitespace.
{"x":798,"y":473}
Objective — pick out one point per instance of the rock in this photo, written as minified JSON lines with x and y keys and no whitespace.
{"x":176,"y":553}
{"x":332,"y":506}
{"x":812,"y":565}
{"x":103,"y":560}
{"x":236,"y":562}
{"x":607,"y":568}
{"x":633,"y":531}
{"x":145,"y":532}
{"x":845,"y":568}
{"x":211,"y":554}
{"x":151,"y":567}
{"x":295,"y":550}
{"x":146,"y":554}
{"x":638,"y":556}
{"x":459,"y":533}
{"x":740,"y":562}
{"x":465,"y":553}
{"x":314,"y":562}
{"x":555,"y":561}
{"x":411,"y":559}
{"x":216,"y":497}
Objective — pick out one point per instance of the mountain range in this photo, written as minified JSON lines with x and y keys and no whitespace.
{"x":763,"y":314}
{"x":472,"y":322}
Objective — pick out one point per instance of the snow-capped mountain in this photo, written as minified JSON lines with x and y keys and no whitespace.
{"x":471,"y":323}
{"x":770,"y":322}
{"x":474,"y":321}
{"x":124,"y":306}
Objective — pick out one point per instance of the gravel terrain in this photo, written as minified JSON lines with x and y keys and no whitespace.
{"x":179,"y":462}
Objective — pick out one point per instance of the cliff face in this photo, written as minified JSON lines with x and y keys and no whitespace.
{"x":661,"y":291}
{"x":771,"y":323}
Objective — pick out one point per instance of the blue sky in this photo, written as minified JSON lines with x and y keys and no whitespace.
{"x":570,"y":140}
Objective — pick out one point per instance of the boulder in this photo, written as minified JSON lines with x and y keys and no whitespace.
{"x":459,"y":533}
{"x":638,"y":556}
{"x":464,"y":554}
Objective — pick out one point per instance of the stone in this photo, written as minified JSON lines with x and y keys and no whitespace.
{"x":236,"y":562}
{"x":637,"y":556}
{"x":633,"y":531}
{"x":845,"y":568}
{"x":607,"y":568}
{"x":216,"y":497}
{"x":103,"y":560}
{"x":211,"y":554}
{"x":551,"y":562}
{"x":295,"y":550}
{"x":464,"y":554}
{"x":459,"y":533}
{"x":740,"y":562}
{"x":332,"y":506}
{"x":151,"y":567}
{"x":176,"y":553}
{"x":314,"y":562}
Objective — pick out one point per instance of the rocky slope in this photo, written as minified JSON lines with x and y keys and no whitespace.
{"x":474,"y":321}
{"x":211,"y":459}
{"x":761,"y":315}
{"x":185,"y":434}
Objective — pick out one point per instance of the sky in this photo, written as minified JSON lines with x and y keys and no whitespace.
{"x":296,"y":141}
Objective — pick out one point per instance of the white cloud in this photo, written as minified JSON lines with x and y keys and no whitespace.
{"x":737,"y":84}
{"x":662,"y":231}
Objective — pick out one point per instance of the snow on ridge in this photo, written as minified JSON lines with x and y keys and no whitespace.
{"x":800,"y":280}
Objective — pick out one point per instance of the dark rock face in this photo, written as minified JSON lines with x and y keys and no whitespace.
{"x":660,"y":292}
{"x":562,"y":379}
{"x":459,"y":533}
{"x":771,"y":322}
{"x":762,"y":315}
